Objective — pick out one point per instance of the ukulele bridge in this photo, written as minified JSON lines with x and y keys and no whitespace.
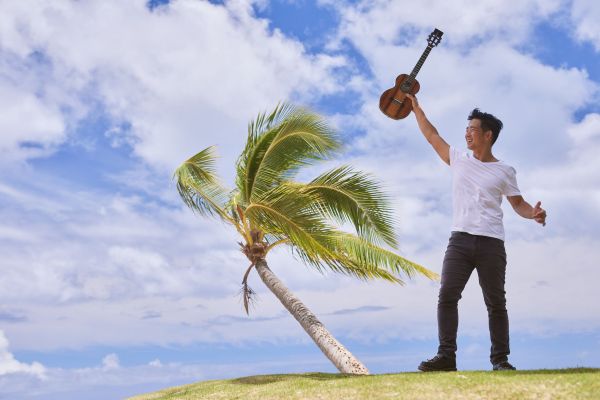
{"x":398,"y":101}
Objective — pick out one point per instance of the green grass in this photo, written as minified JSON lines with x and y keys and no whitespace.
{"x":576,"y":383}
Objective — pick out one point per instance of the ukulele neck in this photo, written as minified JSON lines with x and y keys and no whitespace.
{"x":417,"y":67}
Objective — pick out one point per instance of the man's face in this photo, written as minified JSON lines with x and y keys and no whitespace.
{"x":475,"y":137}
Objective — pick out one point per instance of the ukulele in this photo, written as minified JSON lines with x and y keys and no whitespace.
{"x":393,"y":102}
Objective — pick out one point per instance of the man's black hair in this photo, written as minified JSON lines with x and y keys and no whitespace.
{"x":488,"y":123}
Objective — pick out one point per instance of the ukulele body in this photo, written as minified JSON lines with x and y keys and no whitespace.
{"x":393,"y":102}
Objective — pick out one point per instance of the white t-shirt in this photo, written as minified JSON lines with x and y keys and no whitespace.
{"x":477,"y":190}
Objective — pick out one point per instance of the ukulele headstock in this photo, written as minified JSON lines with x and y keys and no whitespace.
{"x":434,"y":37}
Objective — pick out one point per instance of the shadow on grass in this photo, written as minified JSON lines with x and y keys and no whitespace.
{"x":581,"y":370}
{"x":566,"y":371}
{"x":318,"y":376}
{"x":265,"y":379}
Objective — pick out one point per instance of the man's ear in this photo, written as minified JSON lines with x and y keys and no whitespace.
{"x":489,"y":135}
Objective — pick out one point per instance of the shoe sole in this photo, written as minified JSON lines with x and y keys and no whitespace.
{"x":425,"y":369}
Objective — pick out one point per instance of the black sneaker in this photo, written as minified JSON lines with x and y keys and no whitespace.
{"x":438,"y":363}
{"x":503,"y":366}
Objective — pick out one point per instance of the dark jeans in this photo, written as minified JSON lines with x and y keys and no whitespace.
{"x":466,"y":252}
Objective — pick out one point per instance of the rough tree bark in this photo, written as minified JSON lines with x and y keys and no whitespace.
{"x":344,"y":361}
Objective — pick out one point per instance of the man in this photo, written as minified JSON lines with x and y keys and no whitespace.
{"x":479,"y":181}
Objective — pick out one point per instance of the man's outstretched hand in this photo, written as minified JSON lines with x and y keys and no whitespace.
{"x":539,"y":214}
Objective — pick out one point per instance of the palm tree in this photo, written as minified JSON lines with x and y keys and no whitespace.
{"x":269,"y":209}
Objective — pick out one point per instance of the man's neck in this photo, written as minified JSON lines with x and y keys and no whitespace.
{"x":484,"y":155}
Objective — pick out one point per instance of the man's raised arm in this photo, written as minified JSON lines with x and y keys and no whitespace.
{"x":429,"y":131}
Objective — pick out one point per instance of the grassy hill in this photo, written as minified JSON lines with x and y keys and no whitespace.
{"x":577,"y":383}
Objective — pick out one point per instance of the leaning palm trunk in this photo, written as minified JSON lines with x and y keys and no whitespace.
{"x":344,"y":361}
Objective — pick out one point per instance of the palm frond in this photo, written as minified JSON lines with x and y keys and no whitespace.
{"x":268,"y":209}
{"x":260,"y":133}
{"x":282,"y":216}
{"x":198,"y":185}
{"x":367,"y":255}
{"x":288,"y":211}
{"x":347,"y":195}
{"x":346,"y":266}
{"x":264,"y":122}
{"x":361,"y":259}
{"x":279,"y":144}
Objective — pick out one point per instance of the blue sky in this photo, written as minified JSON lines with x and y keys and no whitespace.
{"x":111,"y":287}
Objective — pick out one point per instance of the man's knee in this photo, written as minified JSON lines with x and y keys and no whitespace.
{"x":449,"y":295}
{"x":496,"y":306}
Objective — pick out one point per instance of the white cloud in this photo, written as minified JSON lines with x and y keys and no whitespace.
{"x":579,"y":171}
{"x":380,"y":23}
{"x":99,"y":383}
{"x":110,"y":361}
{"x":570,"y":188}
{"x":9,"y":365}
{"x":174,"y":75}
{"x":86,"y":246}
{"x":108,"y":380}
{"x":586,"y":132}
{"x":585,"y":15}
{"x":155,"y":363}
{"x":29,"y":127}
